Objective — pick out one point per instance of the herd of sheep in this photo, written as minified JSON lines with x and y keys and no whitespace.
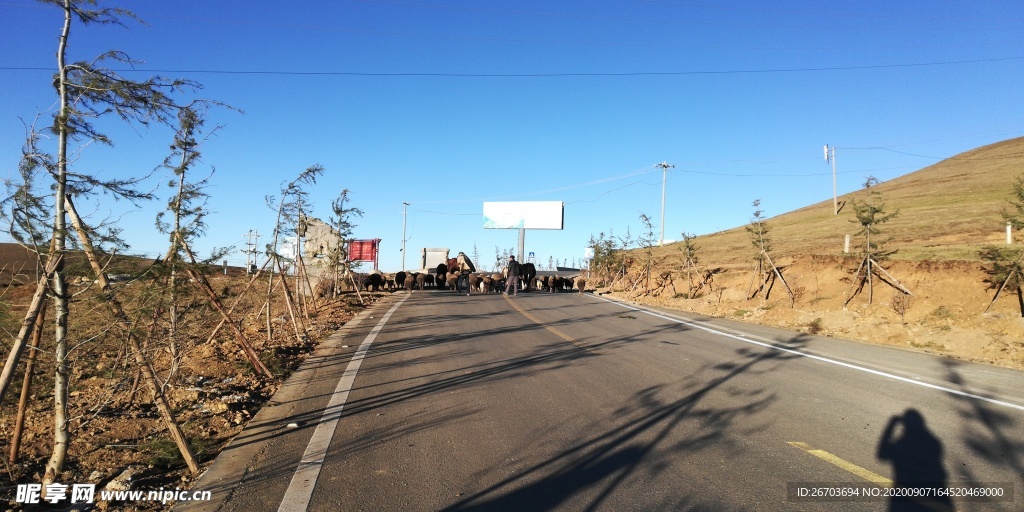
{"x":481,"y":282}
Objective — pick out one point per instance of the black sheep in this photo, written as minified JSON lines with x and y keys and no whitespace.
{"x":442,"y":275}
{"x":374,"y":282}
{"x":527,"y":272}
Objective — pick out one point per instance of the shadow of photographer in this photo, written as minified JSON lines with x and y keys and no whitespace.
{"x":916,"y":456}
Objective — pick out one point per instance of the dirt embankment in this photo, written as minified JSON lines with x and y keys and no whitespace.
{"x":118,"y":439}
{"x":944,"y":315}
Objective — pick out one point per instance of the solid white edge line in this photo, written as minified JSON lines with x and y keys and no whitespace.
{"x":300,"y":489}
{"x":819,"y":358}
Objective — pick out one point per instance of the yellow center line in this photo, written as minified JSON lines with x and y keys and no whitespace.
{"x":849,"y":466}
{"x":537,"y":321}
{"x":870,"y":476}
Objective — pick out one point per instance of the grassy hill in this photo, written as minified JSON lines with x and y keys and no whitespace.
{"x":947,"y":212}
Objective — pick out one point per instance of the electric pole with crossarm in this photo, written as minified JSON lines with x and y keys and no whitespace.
{"x":664,"y":178}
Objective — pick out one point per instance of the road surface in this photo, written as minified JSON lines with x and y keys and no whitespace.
{"x":437,"y":401}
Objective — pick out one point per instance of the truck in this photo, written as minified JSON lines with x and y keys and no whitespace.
{"x":432,"y":257}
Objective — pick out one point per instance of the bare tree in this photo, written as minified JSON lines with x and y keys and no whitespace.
{"x":292,"y":203}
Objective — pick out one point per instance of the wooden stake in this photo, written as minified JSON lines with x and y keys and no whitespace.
{"x":18,"y":347}
{"x":758,"y":271}
{"x":872,"y":267}
{"x":352,"y":279}
{"x":792,"y":298}
{"x":250,"y":353}
{"x":238,"y":300}
{"x":856,"y":278}
{"x":309,"y":285}
{"x":1005,"y":281}
{"x":19,"y":422}
{"x":896,"y":282}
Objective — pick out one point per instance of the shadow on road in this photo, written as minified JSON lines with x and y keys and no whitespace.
{"x":916,"y":457}
{"x":658,"y":427}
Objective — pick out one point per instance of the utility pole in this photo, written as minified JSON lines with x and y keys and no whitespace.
{"x":830,"y":156}
{"x":405,"y":209}
{"x":664,"y":179}
{"x":250,"y":250}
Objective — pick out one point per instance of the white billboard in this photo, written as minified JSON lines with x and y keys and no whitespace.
{"x":524,"y":215}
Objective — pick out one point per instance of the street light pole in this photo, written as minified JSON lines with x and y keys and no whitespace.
{"x":664,"y":179}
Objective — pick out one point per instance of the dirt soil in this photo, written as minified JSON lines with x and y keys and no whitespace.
{"x":945,"y":315}
{"x":119,"y":440}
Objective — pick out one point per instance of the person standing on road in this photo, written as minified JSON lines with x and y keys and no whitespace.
{"x":466,"y":267}
{"x":513,"y":270}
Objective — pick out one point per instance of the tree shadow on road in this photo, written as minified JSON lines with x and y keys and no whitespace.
{"x":990,"y":431}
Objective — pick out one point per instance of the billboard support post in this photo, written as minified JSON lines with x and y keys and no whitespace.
{"x":405,"y":211}
{"x":522,"y":244}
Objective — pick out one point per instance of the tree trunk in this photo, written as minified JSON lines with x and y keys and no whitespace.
{"x":867,"y":253}
{"x":61,"y":435}
{"x":309,"y":286}
{"x":266,"y":304}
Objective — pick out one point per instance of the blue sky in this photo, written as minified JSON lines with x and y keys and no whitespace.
{"x":445,"y":104}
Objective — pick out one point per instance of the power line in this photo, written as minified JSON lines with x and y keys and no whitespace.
{"x":450,"y":213}
{"x":537,"y":75}
{"x":791,"y":175}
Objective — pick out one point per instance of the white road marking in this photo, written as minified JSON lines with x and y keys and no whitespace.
{"x":300,"y":490}
{"x":773,"y":346}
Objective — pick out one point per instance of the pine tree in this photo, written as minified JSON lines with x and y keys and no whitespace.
{"x":759,"y":229}
{"x":690,"y":259}
{"x":765,"y":269}
{"x":1004,"y":265}
{"x":870,"y":214}
{"x":342,"y":223}
{"x":647,"y":240}
{"x":1015,"y":215}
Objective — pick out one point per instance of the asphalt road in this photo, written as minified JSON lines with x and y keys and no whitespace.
{"x":437,"y":401}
